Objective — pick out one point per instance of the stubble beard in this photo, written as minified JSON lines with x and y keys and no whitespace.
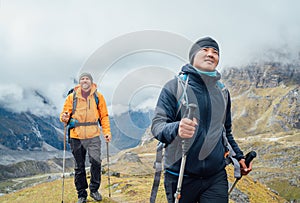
{"x":85,"y":86}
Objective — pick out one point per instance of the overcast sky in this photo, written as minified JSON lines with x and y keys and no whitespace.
{"x":45,"y":44}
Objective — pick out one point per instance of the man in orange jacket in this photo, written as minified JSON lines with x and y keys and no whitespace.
{"x":84,"y":116}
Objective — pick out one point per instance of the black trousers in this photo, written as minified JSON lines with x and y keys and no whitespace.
{"x":79,"y":149}
{"x":213,"y":189}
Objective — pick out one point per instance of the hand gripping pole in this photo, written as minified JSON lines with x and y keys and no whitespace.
{"x":248,"y":158}
{"x":190,"y":114}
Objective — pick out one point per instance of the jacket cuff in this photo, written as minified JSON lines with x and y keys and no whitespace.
{"x":239,"y":157}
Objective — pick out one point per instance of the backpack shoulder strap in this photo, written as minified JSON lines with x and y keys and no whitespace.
{"x":224,"y":90}
{"x":158,"y":168}
{"x":96,"y":99}
{"x":74,"y":102}
{"x":181,"y":94}
{"x":97,"y":104}
{"x":72,"y":91}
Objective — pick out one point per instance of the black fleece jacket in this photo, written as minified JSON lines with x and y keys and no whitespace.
{"x":206,"y":149}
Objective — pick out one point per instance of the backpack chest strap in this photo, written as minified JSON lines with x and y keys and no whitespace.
{"x":86,"y":124}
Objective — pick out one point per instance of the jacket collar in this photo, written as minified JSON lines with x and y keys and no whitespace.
{"x":197,"y":75}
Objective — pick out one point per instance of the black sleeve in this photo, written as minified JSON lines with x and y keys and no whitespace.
{"x":164,"y":125}
{"x":228,"y":128}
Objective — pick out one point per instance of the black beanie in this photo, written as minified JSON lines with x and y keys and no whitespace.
{"x":201,"y":43}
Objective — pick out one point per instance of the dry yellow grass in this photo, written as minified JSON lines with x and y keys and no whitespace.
{"x":128,"y":188}
{"x":132,"y":189}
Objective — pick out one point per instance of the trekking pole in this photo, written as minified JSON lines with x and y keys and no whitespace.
{"x":108,"y":176}
{"x":64,"y":159}
{"x":190,"y":115}
{"x":248,"y":158}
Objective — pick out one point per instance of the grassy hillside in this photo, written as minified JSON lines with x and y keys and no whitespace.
{"x":133,"y":185}
{"x":260,"y":111}
{"x":278,"y":163}
{"x":126,"y":189}
{"x":267,"y":120}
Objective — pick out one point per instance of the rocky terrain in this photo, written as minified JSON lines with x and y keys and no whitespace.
{"x":266,"y":113}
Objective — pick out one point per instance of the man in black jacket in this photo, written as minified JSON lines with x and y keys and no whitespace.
{"x":205,"y":178}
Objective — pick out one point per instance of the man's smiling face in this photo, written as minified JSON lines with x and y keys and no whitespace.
{"x":206,"y":59}
{"x":85,"y":83}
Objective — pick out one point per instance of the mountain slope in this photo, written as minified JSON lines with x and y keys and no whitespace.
{"x":265,"y":98}
{"x":266,"y":118}
{"x":26,"y":131}
{"x":134,"y":182}
{"x":31,"y":144}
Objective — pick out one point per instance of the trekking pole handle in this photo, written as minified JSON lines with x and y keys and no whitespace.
{"x":249,"y":157}
{"x":191,"y":111}
{"x":190,"y":114}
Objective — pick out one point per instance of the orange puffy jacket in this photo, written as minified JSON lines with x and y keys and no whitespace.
{"x":87,"y":111}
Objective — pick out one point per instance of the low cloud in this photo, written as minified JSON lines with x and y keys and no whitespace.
{"x":44,"y":45}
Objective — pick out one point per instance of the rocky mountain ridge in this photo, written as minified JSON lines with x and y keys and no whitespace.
{"x":265,"y":75}
{"x":266,"y":97}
